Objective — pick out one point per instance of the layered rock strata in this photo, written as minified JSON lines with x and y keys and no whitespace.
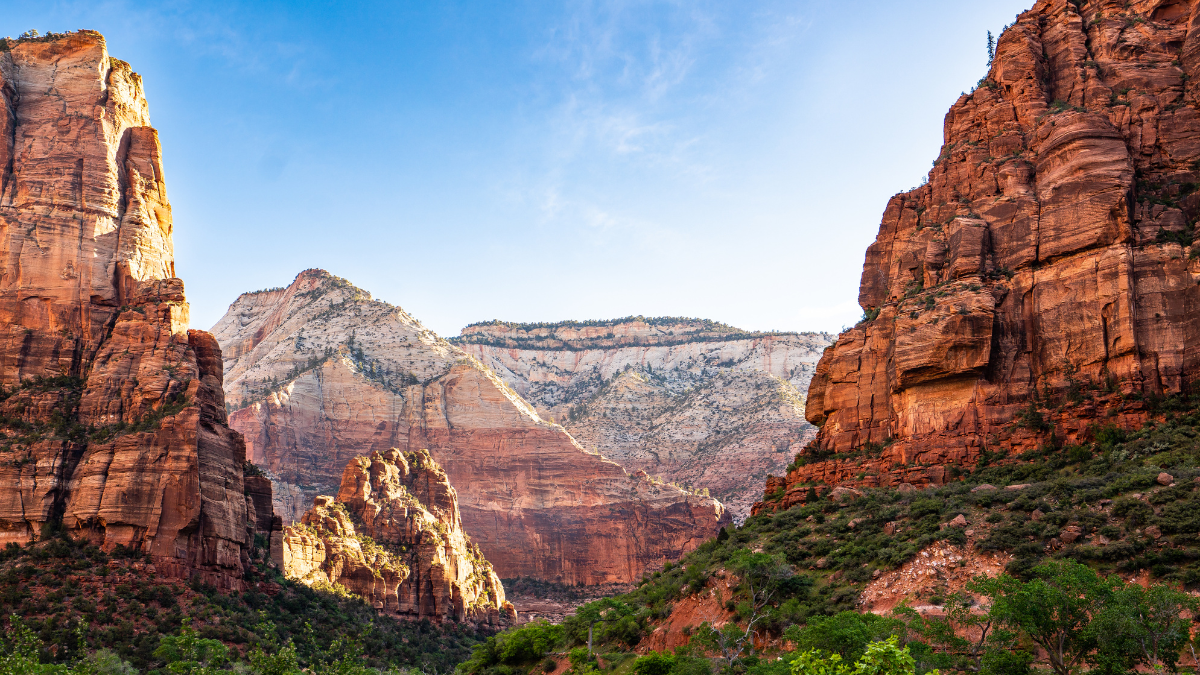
{"x":394,"y":537}
{"x":113,"y":422}
{"x":1046,"y":274}
{"x":319,"y":373}
{"x":693,"y":402}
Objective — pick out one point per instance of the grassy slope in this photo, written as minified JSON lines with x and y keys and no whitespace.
{"x":1089,"y":487}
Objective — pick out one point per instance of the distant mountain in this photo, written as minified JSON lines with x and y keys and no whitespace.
{"x":318,"y":373}
{"x":696,"y":402}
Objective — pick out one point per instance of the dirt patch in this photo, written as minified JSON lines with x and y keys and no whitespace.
{"x":689,"y":612}
{"x":936,"y":573}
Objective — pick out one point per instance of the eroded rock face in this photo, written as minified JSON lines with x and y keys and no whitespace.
{"x":696,"y":403}
{"x":394,"y":536}
{"x":1047,"y":263}
{"x":118,"y":430}
{"x":318,"y":373}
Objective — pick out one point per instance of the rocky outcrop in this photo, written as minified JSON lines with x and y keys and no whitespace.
{"x":113,"y":420}
{"x":319,"y":373}
{"x":1046,"y":274}
{"x":697,"y":403}
{"x":394,"y":537}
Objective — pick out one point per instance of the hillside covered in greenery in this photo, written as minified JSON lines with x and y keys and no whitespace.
{"x":1124,"y":503}
{"x":70,"y":607}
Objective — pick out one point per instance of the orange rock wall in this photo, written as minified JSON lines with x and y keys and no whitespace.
{"x":126,"y":443}
{"x":1049,"y":254}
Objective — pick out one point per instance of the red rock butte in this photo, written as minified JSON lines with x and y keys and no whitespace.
{"x":1050,"y":251}
{"x":118,"y":432}
{"x":394,"y":537}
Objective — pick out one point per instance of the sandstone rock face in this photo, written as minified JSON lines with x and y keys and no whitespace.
{"x":394,"y":536}
{"x":694,"y":402}
{"x":114,"y":424}
{"x":318,"y":373}
{"x":1048,"y":264}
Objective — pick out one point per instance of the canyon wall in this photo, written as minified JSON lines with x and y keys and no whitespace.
{"x":408,"y":554}
{"x":693,"y":402}
{"x":112,"y":415}
{"x":319,"y":373}
{"x":1045,"y":278}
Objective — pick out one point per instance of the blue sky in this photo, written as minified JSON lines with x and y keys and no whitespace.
{"x":538,"y":161}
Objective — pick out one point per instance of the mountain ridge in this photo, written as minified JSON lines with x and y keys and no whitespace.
{"x":330,"y":373}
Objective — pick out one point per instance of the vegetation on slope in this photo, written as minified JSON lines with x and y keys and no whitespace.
{"x":1102,"y":506}
{"x":68,"y":599}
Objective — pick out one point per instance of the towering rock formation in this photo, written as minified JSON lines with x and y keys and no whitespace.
{"x":319,"y":373}
{"x":408,"y":554}
{"x":113,"y":422}
{"x":1046,"y":270}
{"x":695,"y":402}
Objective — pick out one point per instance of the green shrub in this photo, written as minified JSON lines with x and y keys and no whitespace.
{"x":654,"y":663}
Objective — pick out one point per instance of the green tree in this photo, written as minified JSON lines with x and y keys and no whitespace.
{"x":342,"y":658}
{"x":1144,"y":626}
{"x":881,"y":657}
{"x":529,"y":642}
{"x":1054,"y":609}
{"x":21,"y":651}
{"x":189,"y":654}
{"x":104,"y":662}
{"x":813,"y":662}
{"x":967,"y":639}
{"x":582,"y":662}
{"x":763,"y":576}
{"x":654,"y":663}
{"x":886,"y":657}
{"x":282,"y":661}
{"x":846,"y":634}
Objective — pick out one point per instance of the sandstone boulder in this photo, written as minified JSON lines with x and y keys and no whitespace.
{"x":844,"y":494}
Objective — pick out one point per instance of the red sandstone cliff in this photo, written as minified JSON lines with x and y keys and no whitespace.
{"x":114,"y":420}
{"x":319,"y":373}
{"x":394,"y":536}
{"x":1049,"y":254}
